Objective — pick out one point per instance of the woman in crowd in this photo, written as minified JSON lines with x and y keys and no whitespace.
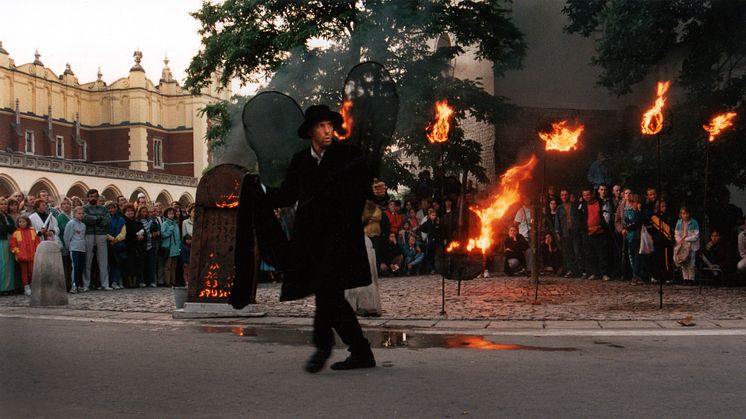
{"x":187,"y":226}
{"x":43,"y":223}
{"x":64,"y":217}
{"x":631,"y":225}
{"x":148,"y":270}
{"x":171,"y":243}
{"x":14,"y":210}
{"x":687,"y":245}
{"x":76,"y":202}
{"x":7,"y":261}
{"x":134,"y":244}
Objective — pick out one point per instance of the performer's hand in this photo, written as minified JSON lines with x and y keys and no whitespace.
{"x":379,"y":188}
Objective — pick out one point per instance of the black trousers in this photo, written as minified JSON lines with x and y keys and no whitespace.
{"x":333,"y":312}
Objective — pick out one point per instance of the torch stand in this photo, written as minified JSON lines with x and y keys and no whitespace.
{"x":705,"y":232}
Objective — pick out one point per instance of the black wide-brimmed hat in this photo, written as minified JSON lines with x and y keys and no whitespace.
{"x":318,"y":113}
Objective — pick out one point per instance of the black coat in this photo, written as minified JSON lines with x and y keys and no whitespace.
{"x":327,"y":243}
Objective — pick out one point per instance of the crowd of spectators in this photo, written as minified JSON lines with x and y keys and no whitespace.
{"x":105,"y":245}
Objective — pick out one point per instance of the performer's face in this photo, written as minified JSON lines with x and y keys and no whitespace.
{"x":321,"y":134}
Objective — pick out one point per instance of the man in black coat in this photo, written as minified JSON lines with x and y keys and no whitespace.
{"x":330,"y":181}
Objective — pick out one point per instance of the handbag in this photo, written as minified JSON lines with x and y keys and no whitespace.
{"x":646,"y":242}
{"x":681,"y":253}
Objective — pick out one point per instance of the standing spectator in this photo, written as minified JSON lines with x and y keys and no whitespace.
{"x":43,"y":223}
{"x":395,"y":218}
{"x":371,"y":218}
{"x":687,"y":243}
{"x":523,"y":218}
{"x":140,"y":201}
{"x":515,"y":252}
{"x":595,"y":233}
{"x":186,"y":250}
{"x":623,"y":206}
{"x":27,"y":207}
{"x":616,"y":195}
{"x":433,"y":235}
{"x":742,"y":250}
{"x":171,"y":243}
{"x":631,"y":225}
{"x":64,"y":217}
{"x":550,"y":219}
{"x":76,"y":201}
{"x":149,"y":247}
{"x":7,"y":261}
{"x":121,"y":202}
{"x":116,"y":233}
{"x":449,"y":220}
{"x":13,"y":209}
{"x":23,"y":244}
{"x":134,"y":242}
{"x":599,"y":172}
{"x":423,"y":189}
{"x":97,"y":221}
{"x":75,"y":241}
{"x":160,"y":264}
{"x":414,"y":221}
{"x":44,"y":196}
{"x":566,"y":225}
{"x":661,"y":223}
{"x":187,"y":226}
{"x":422,"y":211}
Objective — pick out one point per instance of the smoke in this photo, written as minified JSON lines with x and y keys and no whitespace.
{"x":236,"y":149}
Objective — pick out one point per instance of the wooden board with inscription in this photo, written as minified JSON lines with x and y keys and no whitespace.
{"x":222,"y":239}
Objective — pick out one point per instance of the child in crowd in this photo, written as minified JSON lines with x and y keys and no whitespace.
{"x":186,"y":249}
{"x":74,"y":238}
{"x":23,"y":244}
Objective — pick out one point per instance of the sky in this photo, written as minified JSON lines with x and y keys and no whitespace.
{"x":90,"y":34}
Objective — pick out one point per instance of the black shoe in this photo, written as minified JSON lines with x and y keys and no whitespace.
{"x":318,"y":359}
{"x":364,"y":360}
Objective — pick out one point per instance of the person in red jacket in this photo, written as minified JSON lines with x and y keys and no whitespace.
{"x":23,"y":244}
{"x":396,"y":219}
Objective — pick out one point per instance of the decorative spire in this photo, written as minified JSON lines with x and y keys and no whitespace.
{"x":37,"y":56}
{"x":99,"y":75}
{"x":68,"y":70}
{"x":166,"y":76}
{"x":2,"y":50}
{"x":138,"y":57}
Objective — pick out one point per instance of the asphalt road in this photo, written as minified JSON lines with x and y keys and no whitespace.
{"x":65,"y":369}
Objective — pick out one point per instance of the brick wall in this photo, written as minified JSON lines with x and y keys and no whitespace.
{"x":177,"y":148}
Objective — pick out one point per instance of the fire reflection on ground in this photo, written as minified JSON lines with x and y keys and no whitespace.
{"x":380,"y":339}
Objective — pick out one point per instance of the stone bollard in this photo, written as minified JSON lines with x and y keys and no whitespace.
{"x":48,"y":281}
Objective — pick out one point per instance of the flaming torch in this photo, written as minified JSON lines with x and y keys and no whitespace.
{"x":652,"y":123}
{"x":346,"y":111}
{"x":714,"y":128}
{"x":437,"y":132}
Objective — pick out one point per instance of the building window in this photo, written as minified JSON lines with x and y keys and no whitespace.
{"x":158,"y":153}
{"x":60,"y":147}
{"x":29,"y":148}
{"x":85,"y":150}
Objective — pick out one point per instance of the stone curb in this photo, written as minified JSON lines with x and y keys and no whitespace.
{"x":443,"y":326}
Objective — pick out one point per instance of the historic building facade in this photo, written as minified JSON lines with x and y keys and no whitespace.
{"x":122,"y":138}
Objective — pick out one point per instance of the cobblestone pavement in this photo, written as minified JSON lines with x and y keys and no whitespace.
{"x":499,"y":298}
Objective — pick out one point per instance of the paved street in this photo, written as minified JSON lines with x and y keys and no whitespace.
{"x":499,"y":298}
{"x":94,"y":369}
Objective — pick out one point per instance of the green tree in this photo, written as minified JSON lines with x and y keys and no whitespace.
{"x":254,"y":40}
{"x":708,"y":41}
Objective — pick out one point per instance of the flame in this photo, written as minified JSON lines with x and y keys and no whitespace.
{"x":652,"y":120}
{"x":509,"y":193}
{"x":453,"y":246}
{"x":212,"y":287}
{"x":562,"y":138}
{"x":230,"y":200}
{"x":346,"y":111}
{"x":438,"y":130}
{"x":719,"y":123}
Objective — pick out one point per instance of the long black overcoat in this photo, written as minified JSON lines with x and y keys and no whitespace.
{"x":327,"y":242}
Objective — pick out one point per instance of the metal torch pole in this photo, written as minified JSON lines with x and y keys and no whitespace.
{"x":658,"y":150}
{"x":442,"y":200}
{"x":705,"y":218}
{"x":538,"y":220}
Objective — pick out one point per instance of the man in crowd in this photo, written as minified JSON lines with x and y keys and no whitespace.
{"x":160,"y":264}
{"x":599,"y":172}
{"x":96,"y":222}
{"x":594,"y":229}
{"x":566,"y":225}
{"x":44,"y":196}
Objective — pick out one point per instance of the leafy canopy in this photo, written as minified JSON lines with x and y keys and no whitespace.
{"x":253,"y":40}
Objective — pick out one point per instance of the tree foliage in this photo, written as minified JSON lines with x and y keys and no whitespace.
{"x":257,"y":39}
{"x":706,"y":42}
